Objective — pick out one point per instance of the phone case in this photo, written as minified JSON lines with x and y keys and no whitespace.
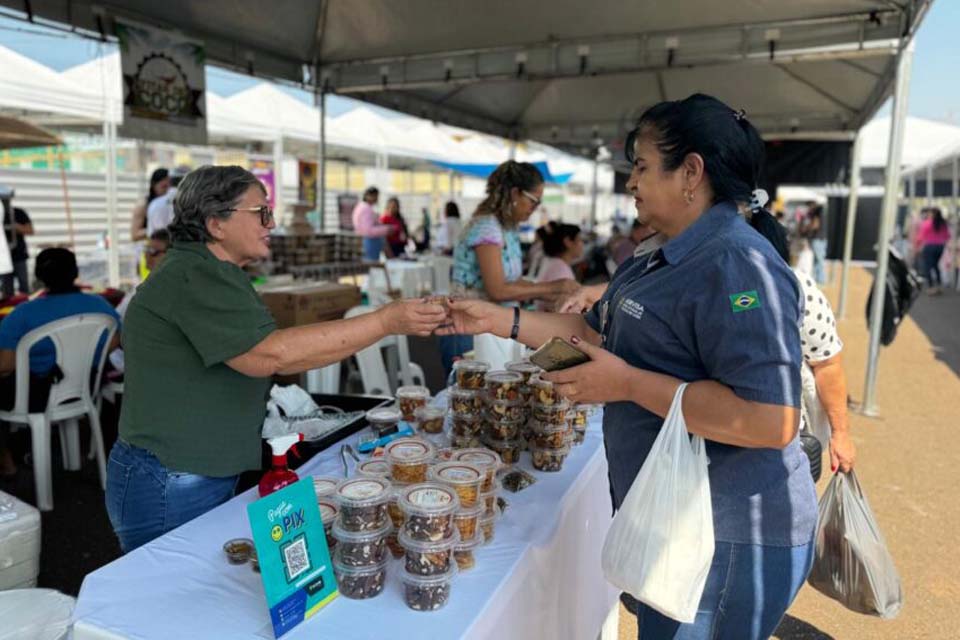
{"x":558,"y":354}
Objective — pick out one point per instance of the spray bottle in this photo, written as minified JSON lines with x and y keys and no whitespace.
{"x":279,"y":475}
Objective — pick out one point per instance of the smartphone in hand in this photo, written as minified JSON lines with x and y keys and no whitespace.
{"x":557,"y":354}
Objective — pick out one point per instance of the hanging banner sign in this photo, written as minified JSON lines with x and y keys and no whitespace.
{"x":265,"y":173}
{"x":307,"y":182}
{"x":163,"y":85}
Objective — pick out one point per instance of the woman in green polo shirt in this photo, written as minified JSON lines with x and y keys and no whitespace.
{"x":200,"y":348}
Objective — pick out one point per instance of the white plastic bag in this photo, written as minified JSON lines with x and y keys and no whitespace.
{"x":660,"y":544}
{"x":38,"y":614}
{"x":815,"y":421}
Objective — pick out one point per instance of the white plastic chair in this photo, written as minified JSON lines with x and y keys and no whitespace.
{"x":373,"y":369}
{"x":442,"y":266}
{"x":75,"y":339}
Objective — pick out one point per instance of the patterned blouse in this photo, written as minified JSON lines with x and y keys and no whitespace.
{"x":481,"y":230}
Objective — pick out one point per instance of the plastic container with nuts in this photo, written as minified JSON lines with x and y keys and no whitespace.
{"x":466,"y":424}
{"x":393,"y":543}
{"x":377,"y":468}
{"x":544,"y":392}
{"x":409,"y":459}
{"x":508,"y":450}
{"x":580,"y":414}
{"x":512,"y":410}
{"x":238,"y":550}
{"x":325,"y":485}
{"x":549,"y":459}
{"x":485,"y":459}
{"x":503,"y":385}
{"x":429,"y":419}
{"x":363,"y":503}
{"x":548,"y":436}
{"x":384,"y":420}
{"x":465,"y":401}
{"x":525,"y":368}
{"x":553,"y":413}
{"x":425,"y":558}
{"x":488,"y":525}
{"x":428,"y":510}
{"x":467,"y":521}
{"x":360,"y":583}
{"x":504,"y":429}
{"x":360,"y":548}
{"x":489,"y":500}
{"x":470,"y":374}
{"x":463,"y":551}
{"x":328,"y":515}
{"x":411,"y":398}
{"x":464,"y":477}
{"x":393,"y":507}
{"x":427,"y":593}
{"x":465,"y":442}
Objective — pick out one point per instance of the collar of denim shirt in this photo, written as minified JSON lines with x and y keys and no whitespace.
{"x":706,"y":226}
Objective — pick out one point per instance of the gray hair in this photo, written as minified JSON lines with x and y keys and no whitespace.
{"x":208,"y":192}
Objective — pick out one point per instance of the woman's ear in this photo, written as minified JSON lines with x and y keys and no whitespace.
{"x":693,"y":171}
{"x":215,"y":228}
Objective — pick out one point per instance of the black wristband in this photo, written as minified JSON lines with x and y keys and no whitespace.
{"x":515,"y":331}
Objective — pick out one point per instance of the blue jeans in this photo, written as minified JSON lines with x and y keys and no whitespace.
{"x":748,"y":590}
{"x":146,"y":499}
{"x":931,"y":263}
{"x":819,"y":247}
{"x":372,"y":248}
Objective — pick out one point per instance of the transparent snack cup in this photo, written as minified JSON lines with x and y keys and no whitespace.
{"x":486,"y":459}
{"x":503,"y":429}
{"x":428,"y":510}
{"x":489,"y":500}
{"x":465,"y":402}
{"x":467,"y":520}
{"x":328,"y":515}
{"x":488,"y":525}
{"x":384,"y":420}
{"x":427,"y":593}
{"x":360,"y":583}
{"x":503,"y":385}
{"x":548,"y":436}
{"x":511,"y":410}
{"x":464,"y":477}
{"x":554,"y":413}
{"x":238,"y":550}
{"x":544,"y":392}
{"x":425,"y":558}
{"x":508,"y":450}
{"x":410,"y":398}
{"x":409,"y":459}
{"x":429,"y":419}
{"x":549,"y":459}
{"x":463,"y":551}
{"x":470,"y":374}
{"x":525,"y":368}
{"x":325,"y":485}
{"x":376,"y":468}
{"x":363,"y":503}
{"x":361,"y":548}
{"x":465,"y":424}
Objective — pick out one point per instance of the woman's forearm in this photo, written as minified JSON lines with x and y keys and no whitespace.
{"x":536,"y":327}
{"x":522,"y":290}
{"x":832,"y":391}
{"x":713,"y":411}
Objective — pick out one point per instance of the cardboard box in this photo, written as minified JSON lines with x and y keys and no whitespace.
{"x":298,"y":304}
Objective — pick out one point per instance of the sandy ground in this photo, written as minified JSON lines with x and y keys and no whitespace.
{"x":909,"y":467}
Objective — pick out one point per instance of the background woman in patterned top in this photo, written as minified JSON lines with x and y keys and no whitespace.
{"x":487,"y":261}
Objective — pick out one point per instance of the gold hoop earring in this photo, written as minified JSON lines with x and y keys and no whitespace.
{"x":688,"y":196}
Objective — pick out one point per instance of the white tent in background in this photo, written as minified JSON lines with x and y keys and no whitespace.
{"x":922,"y":140}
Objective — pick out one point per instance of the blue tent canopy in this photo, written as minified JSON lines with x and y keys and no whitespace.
{"x":484,"y":170}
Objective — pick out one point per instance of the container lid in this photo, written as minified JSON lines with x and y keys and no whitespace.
{"x":243,"y":546}
{"x":523,"y":366}
{"x":410,"y":451}
{"x":560,"y":405}
{"x":480,"y":457}
{"x":377,"y":468}
{"x":558,"y":451}
{"x":500,"y":445}
{"x":413,"y":391}
{"x":325,"y":485}
{"x":504,"y":420}
{"x":429,"y":413}
{"x":497,"y":486}
{"x":416,"y":580}
{"x":588,"y":408}
{"x":328,"y":511}
{"x":427,"y":546}
{"x":429,"y":499}
{"x":470,"y":512}
{"x":469,"y":544}
{"x":546,"y":428}
{"x":540,"y":383}
{"x":460,"y":392}
{"x":503,"y":377}
{"x":347,"y":570}
{"x":505,"y":402}
{"x":363,"y":492}
{"x":342,"y":535}
{"x":384,"y":415}
{"x":457,"y":473}
{"x":471,"y":365}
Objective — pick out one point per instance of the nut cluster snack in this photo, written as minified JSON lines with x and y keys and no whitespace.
{"x":465,"y":425}
{"x":465,"y":401}
{"x":549,"y":459}
{"x":508,"y":450}
{"x":548,"y":436}
{"x":427,"y":593}
{"x":544,"y":392}
{"x":238,"y":550}
{"x":463,"y":477}
{"x":504,"y":385}
{"x":428,"y":558}
{"x":428,"y":511}
{"x":410,"y":399}
{"x":485,"y":459}
{"x":429,"y":419}
{"x":363,"y":503}
{"x":463,"y":552}
{"x":328,"y":515}
{"x":511,"y":410}
{"x":360,"y":549}
{"x":470,"y":374}
{"x":504,"y":429}
{"x":467,"y":521}
{"x":525,"y":368}
{"x":554,"y":413}
{"x":409,"y":459}
{"x":360,"y":583}
{"x":384,"y":420}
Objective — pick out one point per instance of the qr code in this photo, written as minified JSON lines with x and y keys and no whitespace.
{"x":295,"y":558}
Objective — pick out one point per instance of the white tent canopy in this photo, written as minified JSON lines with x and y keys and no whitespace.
{"x":923,"y":140}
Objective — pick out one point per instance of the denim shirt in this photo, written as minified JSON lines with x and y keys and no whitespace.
{"x":714,"y":303}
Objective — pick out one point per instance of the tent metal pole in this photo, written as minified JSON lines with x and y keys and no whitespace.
{"x":954,"y":187}
{"x":113,"y":258}
{"x":322,"y":164}
{"x":930,"y":185}
{"x":901,"y":88}
{"x":851,"y":224}
{"x":593,"y":193}
{"x":278,"y":179}
{"x":913,"y":193}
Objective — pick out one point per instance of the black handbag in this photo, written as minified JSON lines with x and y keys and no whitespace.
{"x":811,"y":446}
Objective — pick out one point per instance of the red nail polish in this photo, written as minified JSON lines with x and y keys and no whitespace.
{"x":833,"y":468}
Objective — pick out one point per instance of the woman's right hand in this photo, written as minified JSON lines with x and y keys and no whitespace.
{"x":415,"y":317}
{"x":561,"y":289}
{"x":472,"y":317}
{"x":582,"y":299}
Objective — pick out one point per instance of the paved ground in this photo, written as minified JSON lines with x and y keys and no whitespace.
{"x":908,"y":466}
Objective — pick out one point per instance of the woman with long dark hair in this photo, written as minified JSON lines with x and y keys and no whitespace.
{"x":159,"y":185}
{"x":399,"y":234}
{"x":933,"y":237}
{"x":717,"y":308}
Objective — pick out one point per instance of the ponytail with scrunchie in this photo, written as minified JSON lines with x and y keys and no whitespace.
{"x":766,"y":225}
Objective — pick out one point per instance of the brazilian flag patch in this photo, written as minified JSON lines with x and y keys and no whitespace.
{"x":744,"y":301}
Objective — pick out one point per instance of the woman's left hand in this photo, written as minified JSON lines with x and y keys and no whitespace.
{"x":606,"y":378}
{"x":843,"y":453}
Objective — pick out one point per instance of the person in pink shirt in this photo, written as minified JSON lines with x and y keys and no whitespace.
{"x":366,"y":224}
{"x":562,"y":247}
{"x":933,"y":236}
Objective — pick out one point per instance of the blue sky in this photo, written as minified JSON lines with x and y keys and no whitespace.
{"x":934,"y":90}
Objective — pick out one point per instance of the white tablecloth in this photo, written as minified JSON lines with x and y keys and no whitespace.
{"x":539,"y":578}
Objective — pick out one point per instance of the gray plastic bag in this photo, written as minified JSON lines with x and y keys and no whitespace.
{"x":851,"y":563}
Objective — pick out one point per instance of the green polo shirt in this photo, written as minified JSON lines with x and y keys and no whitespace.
{"x":181,"y":402}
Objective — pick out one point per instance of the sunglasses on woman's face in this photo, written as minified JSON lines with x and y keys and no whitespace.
{"x":534,"y":199}
{"x":266,"y":213}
